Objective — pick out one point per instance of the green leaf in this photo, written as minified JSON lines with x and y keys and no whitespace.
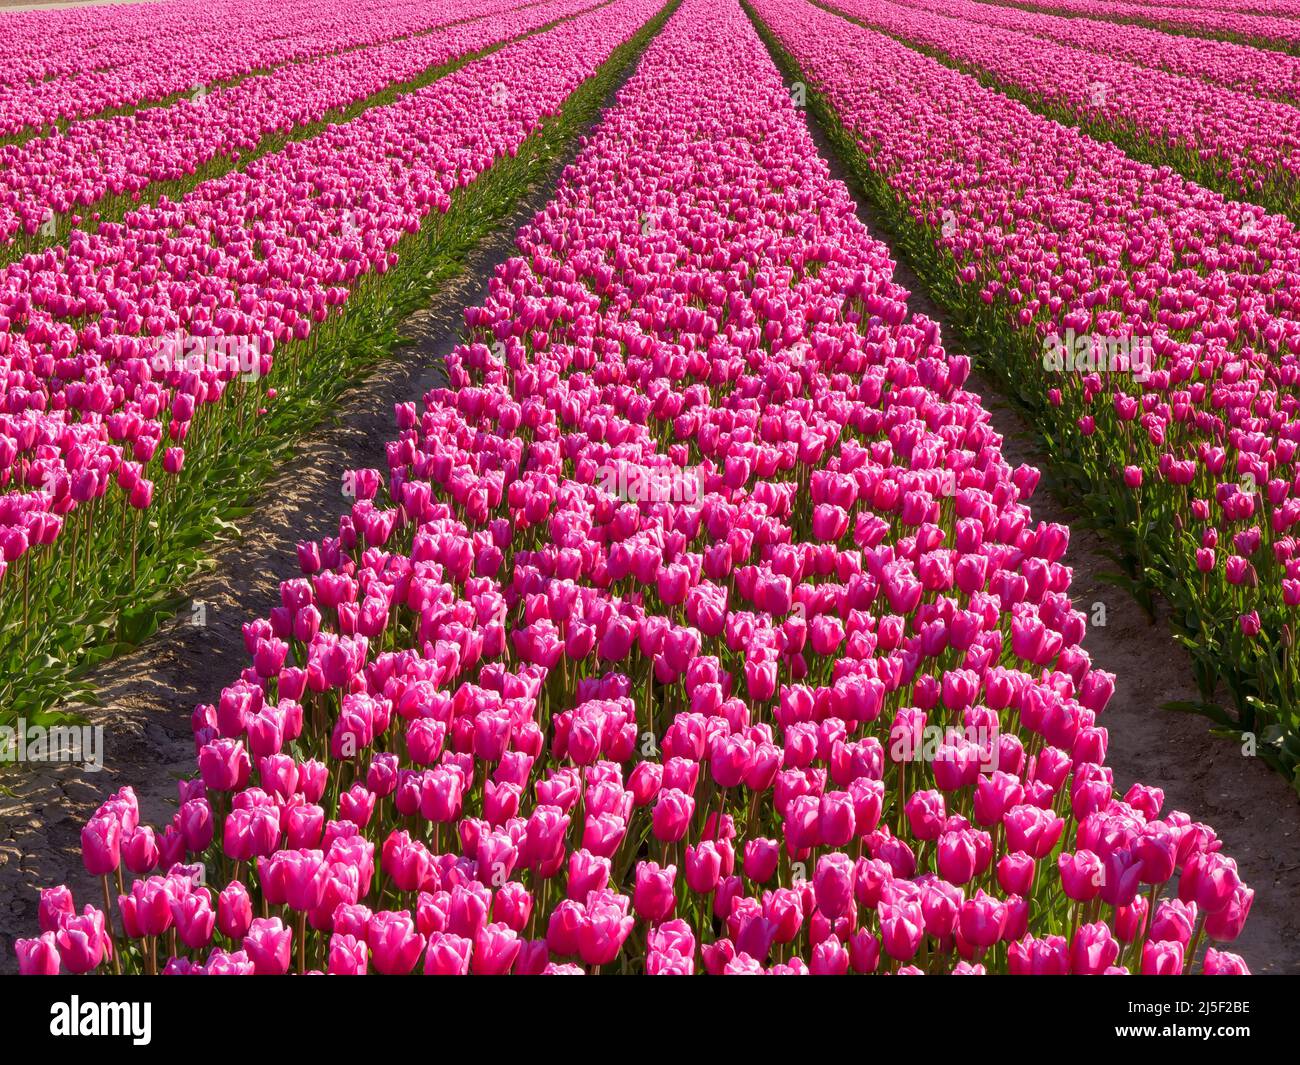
{"x":1213,"y":711}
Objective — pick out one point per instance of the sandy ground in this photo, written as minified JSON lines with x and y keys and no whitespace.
{"x":148,"y":694}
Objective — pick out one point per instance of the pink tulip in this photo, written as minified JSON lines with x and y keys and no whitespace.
{"x":395,"y":945}
{"x":38,"y":957}
{"x":268,"y":944}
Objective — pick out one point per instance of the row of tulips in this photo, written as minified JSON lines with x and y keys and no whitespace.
{"x":185,"y":336}
{"x":57,"y":66}
{"x":1149,"y":324}
{"x":79,"y":40}
{"x":100,"y":168}
{"x":1248,"y":25}
{"x":1279,"y":8}
{"x":1245,"y":146}
{"x":1237,"y":66}
{"x":630,"y":661}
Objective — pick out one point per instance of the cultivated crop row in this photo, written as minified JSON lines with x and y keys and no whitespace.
{"x":97,"y":169}
{"x":1149,"y":324}
{"x":63,"y":65}
{"x":1237,"y":66}
{"x":698,"y":624}
{"x":1243,"y":145}
{"x":188,"y":335}
{"x":1245,"y":23}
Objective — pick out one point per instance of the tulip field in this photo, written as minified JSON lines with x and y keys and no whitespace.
{"x":699,"y":620}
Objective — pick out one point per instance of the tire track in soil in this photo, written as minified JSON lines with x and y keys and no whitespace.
{"x":149,"y":693}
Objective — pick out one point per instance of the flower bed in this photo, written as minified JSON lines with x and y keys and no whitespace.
{"x":1239,"y":144}
{"x":1276,"y":30}
{"x":1237,"y":66}
{"x":187,"y":336}
{"x":57,"y":66}
{"x":698,"y":624}
{"x":98,"y":170}
{"x":1148,"y":325}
